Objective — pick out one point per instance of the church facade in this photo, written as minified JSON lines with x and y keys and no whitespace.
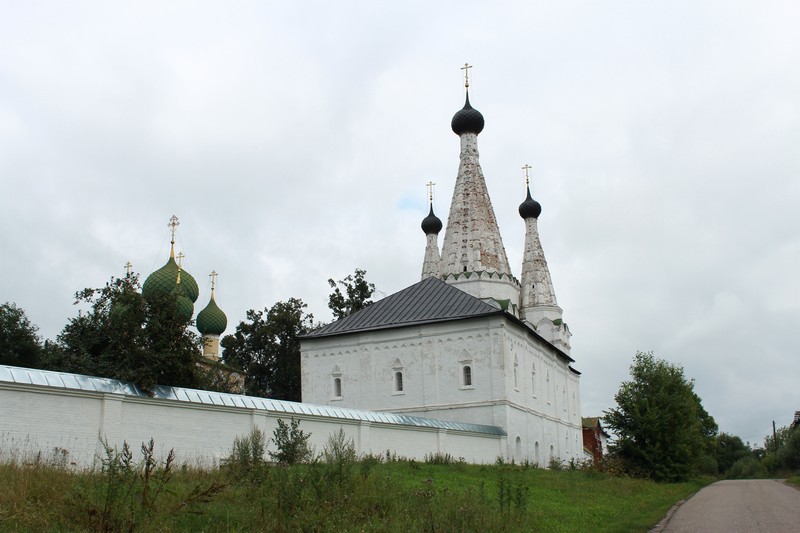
{"x":468,"y":343}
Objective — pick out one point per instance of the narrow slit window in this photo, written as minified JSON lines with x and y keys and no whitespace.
{"x":398,"y":381}
{"x":337,"y":387}
{"x":467,"y":376}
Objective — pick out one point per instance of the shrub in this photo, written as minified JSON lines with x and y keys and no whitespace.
{"x":339,"y":453}
{"x":247,"y":455}
{"x":339,"y":449}
{"x":292,"y":444}
{"x":747,"y":468}
{"x":439,"y":458}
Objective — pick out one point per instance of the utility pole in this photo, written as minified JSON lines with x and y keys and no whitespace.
{"x":774,"y":437}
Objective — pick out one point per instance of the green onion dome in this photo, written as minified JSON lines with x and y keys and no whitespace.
{"x":185,"y":307}
{"x":211,"y":320}
{"x":165,"y":280}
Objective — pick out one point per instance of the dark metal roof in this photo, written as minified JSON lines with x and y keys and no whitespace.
{"x":431,"y":300}
{"x":64,"y":380}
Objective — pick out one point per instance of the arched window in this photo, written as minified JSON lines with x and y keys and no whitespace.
{"x":536,"y":452}
{"x":466,"y":370}
{"x":336,"y":374}
{"x":533,"y":380}
{"x":518,"y":451}
{"x":398,"y":369}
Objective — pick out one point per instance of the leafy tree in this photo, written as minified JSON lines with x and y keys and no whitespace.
{"x":773,"y":443}
{"x":789,"y":454}
{"x":19,"y":342}
{"x":662,"y":430}
{"x":729,"y":450}
{"x":356,"y":296}
{"x":266,"y":348}
{"x":129,"y":337}
{"x":782,"y":451}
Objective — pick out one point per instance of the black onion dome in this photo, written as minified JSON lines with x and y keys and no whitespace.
{"x":467,"y":120}
{"x":530,"y":208}
{"x":431,"y":224}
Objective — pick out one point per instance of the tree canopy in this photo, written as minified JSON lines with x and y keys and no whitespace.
{"x":127,"y":336}
{"x":662,"y":430}
{"x":266,"y":348}
{"x":19,"y":342}
{"x":356,"y":295}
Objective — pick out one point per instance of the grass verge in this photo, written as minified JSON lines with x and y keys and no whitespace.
{"x":367,"y":495}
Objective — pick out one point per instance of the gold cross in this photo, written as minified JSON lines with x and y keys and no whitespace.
{"x":128,"y":267}
{"x":213,"y":277}
{"x":526,"y":168}
{"x":173,"y":224}
{"x":430,"y":186}
{"x":181,"y":255}
{"x":466,"y":68}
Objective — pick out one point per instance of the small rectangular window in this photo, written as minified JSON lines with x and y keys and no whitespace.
{"x":467,"y":376}
{"x":337,"y":387}
{"x":398,"y":381}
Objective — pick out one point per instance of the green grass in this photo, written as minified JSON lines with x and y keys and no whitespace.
{"x":365,"y":496}
{"x":794,"y":480}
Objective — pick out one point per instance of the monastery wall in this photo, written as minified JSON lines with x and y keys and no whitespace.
{"x":43,"y":418}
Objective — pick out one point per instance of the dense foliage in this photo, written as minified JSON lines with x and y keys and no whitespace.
{"x":663,"y":431}
{"x":356,"y":296}
{"x":729,"y":450}
{"x":781,"y":454}
{"x":266,"y":348}
{"x":19,"y":342}
{"x":128,"y":337}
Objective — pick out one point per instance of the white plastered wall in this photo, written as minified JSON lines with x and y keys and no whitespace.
{"x":543,"y":408}
{"x":39,"y":418}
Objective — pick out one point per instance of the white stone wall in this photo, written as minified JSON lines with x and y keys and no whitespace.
{"x":543,"y":408}
{"x":37,"y":418}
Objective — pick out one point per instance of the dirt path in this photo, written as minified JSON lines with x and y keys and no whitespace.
{"x":735,"y":506}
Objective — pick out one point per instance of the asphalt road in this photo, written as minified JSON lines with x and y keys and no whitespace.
{"x":746,"y":506}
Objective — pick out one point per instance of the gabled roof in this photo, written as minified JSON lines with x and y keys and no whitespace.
{"x":429,"y":301}
{"x":593,"y":422}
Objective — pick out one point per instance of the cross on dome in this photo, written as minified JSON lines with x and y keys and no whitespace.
{"x":128,"y":268}
{"x":466,"y":68}
{"x":526,"y":168}
{"x":430,"y":187}
{"x":173,"y":225}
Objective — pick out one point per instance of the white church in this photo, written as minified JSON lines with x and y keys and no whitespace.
{"x":469,"y":362}
{"x":469,"y":343}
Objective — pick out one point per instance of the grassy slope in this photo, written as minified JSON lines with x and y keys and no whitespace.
{"x":396,"y":496}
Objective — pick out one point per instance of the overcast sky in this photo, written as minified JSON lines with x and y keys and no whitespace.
{"x":294,"y":139}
